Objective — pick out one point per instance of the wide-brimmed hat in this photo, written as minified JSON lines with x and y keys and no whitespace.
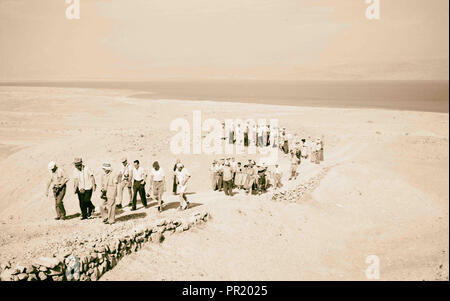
{"x":51,"y":165}
{"x":124,"y":159}
{"x":106,"y":166}
{"x":77,"y":161}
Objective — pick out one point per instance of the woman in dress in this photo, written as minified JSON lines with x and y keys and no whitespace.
{"x":175,"y":177}
{"x":239,"y":176}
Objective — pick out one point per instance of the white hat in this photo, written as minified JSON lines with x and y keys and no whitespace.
{"x":179,"y":165}
{"x":106,"y":166}
{"x":51,"y":165}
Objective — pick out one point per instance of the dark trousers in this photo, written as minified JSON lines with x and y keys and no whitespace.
{"x":86,"y":205}
{"x":286,"y":147}
{"x":138,"y":187}
{"x":174,"y":184}
{"x":228,"y":187}
{"x":59,"y":205}
{"x":220,"y":182}
{"x":262,"y":184}
{"x":299,"y":155}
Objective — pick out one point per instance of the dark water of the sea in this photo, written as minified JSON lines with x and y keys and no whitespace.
{"x":430,"y":96}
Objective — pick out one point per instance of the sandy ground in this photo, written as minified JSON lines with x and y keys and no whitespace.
{"x":384,"y":191}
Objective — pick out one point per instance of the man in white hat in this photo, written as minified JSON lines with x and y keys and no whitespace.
{"x":58,"y":182}
{"x":284,"y":141}
{"x":84,"y":185}
{"x":317,"y":148}
{"x":276,"y":175}
{"x":294,"y":166}
{"x":183,"y":177}
{"x":252,"y":177}
{"x":108,"y":194}
{"x":213,"y":170}
{"x":320,"y":141}
{"x":220,"y":166}
{"x":228,"y":179}
{"x":124,"y":180}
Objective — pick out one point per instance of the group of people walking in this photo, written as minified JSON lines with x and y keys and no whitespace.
{"x":226,"y":174}
{"x":130,"y":177}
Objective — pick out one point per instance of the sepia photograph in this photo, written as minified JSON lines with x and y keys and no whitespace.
{"x":209,"y":142}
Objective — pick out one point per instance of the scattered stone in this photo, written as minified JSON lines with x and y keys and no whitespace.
{"x":47,"y":262}
{"x":30,"y":269}
{"x":42,"y":276}
{"x":57,"y":278}
{"x":161,"y":222}
{"x":54,"y":273}
{"x":6,"y":275}
{"x":192,"y":220}
{"x":100,"y":249}
{"x":84,"y":277}
{"x":95,"y":275}
{"x":20,"y":268}
{"x":42,"y":269}
{"x":156,"y":237}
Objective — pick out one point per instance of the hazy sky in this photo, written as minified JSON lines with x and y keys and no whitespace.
{"x":268,"y":39}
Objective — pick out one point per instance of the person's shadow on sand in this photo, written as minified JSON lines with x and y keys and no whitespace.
{"x":131,"y":216}
{"x":175,"y":205}
{"x":69,"y":217}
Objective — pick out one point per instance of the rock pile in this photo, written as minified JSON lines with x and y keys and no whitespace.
{"x":297,"y":194}
{"x":89,"y":260}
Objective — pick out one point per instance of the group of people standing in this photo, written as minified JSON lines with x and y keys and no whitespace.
{"x":247,"y":134}
{"x":262,"y":135}
{"x":228,"y":174}
{"x":304,"y":148}
{"x":130,"y":177}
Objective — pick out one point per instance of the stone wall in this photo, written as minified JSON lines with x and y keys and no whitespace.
{"x":89,"y":261}
{"x":299,"y":192}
